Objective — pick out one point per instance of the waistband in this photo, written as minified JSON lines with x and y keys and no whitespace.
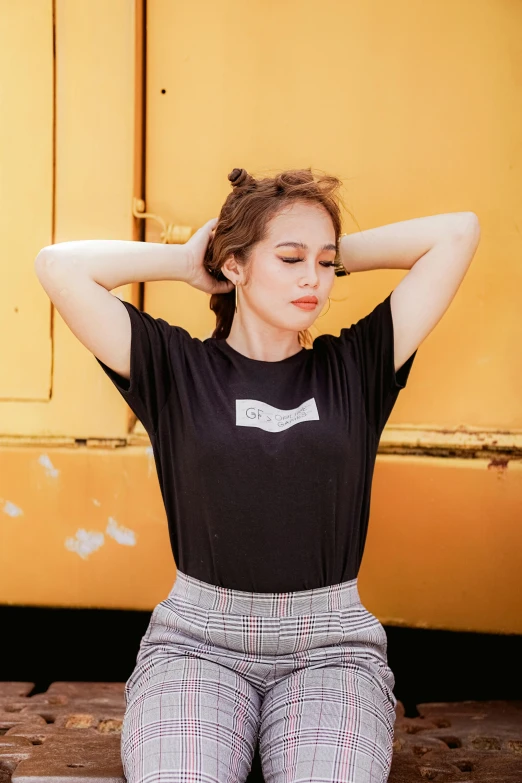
{"x":224,"y":599}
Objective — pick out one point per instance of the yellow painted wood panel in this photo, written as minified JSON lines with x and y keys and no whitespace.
{"x":443,"y":547}
{"x":26,"y":196}
{"x":98,"y":171}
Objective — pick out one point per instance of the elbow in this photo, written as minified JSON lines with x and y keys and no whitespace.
{"x":467,"y":230}
{"x":474,"y":229}
{"x":47,"y":265}
{"x":41,"y":261}
{"x":469,"y":224}
{"x":467,"y":235}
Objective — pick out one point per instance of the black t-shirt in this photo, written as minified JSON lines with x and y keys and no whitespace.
{"x":265,"y":468}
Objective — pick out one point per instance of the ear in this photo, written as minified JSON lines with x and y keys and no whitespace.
{"x":231,"y":269}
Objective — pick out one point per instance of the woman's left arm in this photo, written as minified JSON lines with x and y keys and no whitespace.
{"x":437,"y":250}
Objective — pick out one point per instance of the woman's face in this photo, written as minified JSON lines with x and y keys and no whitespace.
{"x":294,"y":260}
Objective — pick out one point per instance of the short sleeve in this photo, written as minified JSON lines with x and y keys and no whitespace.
{"x":151,"y":378}
{"x":370,"y":342}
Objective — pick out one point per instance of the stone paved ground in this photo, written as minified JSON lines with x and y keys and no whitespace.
{"x":71,"y":733}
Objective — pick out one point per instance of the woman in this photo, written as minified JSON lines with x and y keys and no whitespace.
{"x":265,"y":447}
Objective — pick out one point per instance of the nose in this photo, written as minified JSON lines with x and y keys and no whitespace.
{"x":310,"y":276}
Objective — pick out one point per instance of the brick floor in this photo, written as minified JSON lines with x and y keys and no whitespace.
{"x":72,"y":731}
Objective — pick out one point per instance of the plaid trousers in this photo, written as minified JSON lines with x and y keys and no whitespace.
{"x":303,"y":673}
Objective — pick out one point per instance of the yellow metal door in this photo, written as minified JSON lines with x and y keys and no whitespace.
{"x":70,"y":164}
{"x":26,"y":196}
{"x":417,"y":116}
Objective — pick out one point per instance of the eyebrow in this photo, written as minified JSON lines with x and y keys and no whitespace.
{"x":305,"y":247}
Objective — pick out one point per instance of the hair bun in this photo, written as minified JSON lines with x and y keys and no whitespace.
{"x":239,"y":177}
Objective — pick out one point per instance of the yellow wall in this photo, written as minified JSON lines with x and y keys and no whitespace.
{"x":416,"y":107}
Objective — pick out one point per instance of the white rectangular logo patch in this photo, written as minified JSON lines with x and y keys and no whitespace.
{"x":253,"y":413}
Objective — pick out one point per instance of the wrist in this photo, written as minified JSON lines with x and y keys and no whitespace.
{"x":180,"y":263}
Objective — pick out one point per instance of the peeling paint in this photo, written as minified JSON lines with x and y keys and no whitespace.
{"x":11,"y":510}
{"x":151,"y":463}
{"x":498,"y":462}
{"x":85,"y":542}
{"x":96,"y":502}
{"x":48,"y":465}
{"x":123,"y":535}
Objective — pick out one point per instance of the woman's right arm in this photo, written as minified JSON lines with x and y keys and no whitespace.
{"x":78,"y":277}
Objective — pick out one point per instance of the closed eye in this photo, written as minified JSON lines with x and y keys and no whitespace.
{"x":295,"y":260}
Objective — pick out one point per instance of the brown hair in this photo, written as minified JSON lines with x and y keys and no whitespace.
{"x":243,"y":222}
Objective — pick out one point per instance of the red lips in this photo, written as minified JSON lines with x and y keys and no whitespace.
{"x":312,"y":299}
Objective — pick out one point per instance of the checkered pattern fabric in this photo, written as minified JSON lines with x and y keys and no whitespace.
{"x":303,"y":673}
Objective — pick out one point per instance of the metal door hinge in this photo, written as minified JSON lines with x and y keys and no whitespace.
{"x":171,"y":234}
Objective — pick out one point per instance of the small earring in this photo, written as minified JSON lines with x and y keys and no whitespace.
{"x":327,"y":310}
